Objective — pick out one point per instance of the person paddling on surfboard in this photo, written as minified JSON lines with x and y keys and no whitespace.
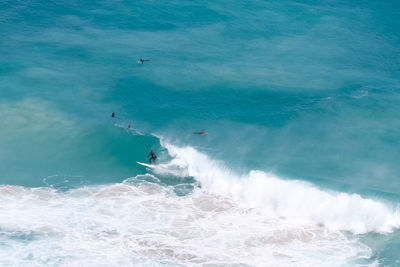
{"x":202,"y":132}
{"x":152,"y":156}
{"x":141,"y":61}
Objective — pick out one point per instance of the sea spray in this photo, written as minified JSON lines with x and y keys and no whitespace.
{"x":295,"y":200}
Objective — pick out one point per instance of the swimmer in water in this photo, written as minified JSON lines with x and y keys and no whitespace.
{"x":141,"y":61}
{"x":202,"y":132}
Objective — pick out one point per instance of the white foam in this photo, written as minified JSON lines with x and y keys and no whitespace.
{"x":142,"y":223}
{"x":298,"y":201}
{"x":245,"y":220}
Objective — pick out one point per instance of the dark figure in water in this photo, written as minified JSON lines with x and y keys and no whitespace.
{"x":202,"y":132}
{"x":113,"y":115}
{"x":152,"y":156}
{"x":141,"y":61}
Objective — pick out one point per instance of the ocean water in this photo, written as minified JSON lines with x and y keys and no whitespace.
{"x":300,"y":100}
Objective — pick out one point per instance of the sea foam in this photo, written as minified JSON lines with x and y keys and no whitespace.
{"x":297,"y":201}
{"x":141,"y":223}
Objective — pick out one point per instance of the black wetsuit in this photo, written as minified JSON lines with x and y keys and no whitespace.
{"x":152,"y":156}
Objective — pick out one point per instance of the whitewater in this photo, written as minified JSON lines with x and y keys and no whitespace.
{"x":299,"y":100}
{"x":220,"y":219}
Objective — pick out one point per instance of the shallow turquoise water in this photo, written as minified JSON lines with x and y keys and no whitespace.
{"x":303,"y":90}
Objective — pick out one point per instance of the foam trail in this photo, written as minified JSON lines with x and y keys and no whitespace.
{"x":129,"y":128}
{"x":298,"y":201}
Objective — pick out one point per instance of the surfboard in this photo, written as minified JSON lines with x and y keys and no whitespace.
{"x":146,"y":165}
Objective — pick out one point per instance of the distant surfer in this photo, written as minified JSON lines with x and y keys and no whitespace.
{"x":141,"y":61}
{"x":202,"y":132}
{"x":113,"y":115}
{"x":152,"y":156}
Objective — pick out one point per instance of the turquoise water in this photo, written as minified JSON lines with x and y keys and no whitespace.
{"x":299,"y":99}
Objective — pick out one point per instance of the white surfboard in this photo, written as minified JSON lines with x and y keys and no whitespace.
{"x":146,"y":165}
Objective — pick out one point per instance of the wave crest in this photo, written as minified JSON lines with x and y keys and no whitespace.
{"x":297,"y":201}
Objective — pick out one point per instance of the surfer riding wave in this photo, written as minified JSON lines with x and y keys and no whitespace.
{"x":152,"y":156}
